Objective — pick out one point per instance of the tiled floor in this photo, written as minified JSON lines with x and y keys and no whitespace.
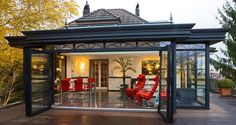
{"x":102,"y":99}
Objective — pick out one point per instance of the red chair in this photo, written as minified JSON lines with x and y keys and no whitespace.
{"x":147,"y":95}
{"x":139,"y":86}
{"x":65,"y":85}
{"x":79,"y":84}
{"x":90,"y":83}
{"x":68,"y":79}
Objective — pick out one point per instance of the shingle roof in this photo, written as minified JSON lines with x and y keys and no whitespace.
{"x":108,"y":16}
{"x":126,"y":16}
{"x":98,"y":15}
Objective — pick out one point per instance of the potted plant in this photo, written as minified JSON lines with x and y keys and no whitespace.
{"x":124,"y":66}
{"x":225,"y":87}
{"x":56,"y":85}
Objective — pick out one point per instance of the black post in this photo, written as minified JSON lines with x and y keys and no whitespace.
{"x":27,"y":80}
{"x":174,"y":76}
{"x":52,"y":76}
{"x":160,"y":79}
{"x":195,"y":74}
{"x":207,"y":81}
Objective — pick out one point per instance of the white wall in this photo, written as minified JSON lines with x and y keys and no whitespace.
{"x":74,"y":63}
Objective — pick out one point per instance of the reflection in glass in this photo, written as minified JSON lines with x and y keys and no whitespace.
{"x":163,"y":84}
{"x":40,"y":82}
{"x":39,"y":66}
{"x":190,"y":78}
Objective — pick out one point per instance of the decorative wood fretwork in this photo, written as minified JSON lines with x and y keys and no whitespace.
{"x":88,"y":45}
{"x":120,"y":45}
{"x":148,"y":44}
{"x":105,"y":45}
{"x":63,"y":47}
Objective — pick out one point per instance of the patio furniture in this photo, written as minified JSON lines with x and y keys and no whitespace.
{"x":147,"y":95}
{"x":139,"y":86}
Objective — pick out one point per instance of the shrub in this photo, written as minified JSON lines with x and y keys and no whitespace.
{"x":225,"y":83}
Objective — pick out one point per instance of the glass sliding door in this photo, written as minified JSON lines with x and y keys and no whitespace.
{"x":39,"y":83}
{"x":191,"y":75}
{"x":165,"y":90}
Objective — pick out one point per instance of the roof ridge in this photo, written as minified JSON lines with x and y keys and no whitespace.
{"x":90,"y":13}
{"x":101,"y":9}
{"x":134,"y":15}
{"x":112,"y":14}
{"x":107,"y":10}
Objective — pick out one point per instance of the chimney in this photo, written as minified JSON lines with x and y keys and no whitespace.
{"x":137,"y":10}
{"x":171,"y":18}
{"x":86,"y":9}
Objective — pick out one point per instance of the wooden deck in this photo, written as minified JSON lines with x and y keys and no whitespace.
{"x":15,"y":116}
{"x":223,"y":112}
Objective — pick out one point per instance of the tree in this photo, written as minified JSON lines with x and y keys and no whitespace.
{"x":124,"y":66}
{"x":227,"y":65}
{"x":18,"y":15}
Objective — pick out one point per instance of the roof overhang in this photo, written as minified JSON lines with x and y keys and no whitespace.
{"x":17,"y":41}
{"x":104,"y":33}
{"x":207,"y":35}
{"x":133,"y":32}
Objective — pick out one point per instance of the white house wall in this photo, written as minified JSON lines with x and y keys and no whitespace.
{"x":74,"y":63}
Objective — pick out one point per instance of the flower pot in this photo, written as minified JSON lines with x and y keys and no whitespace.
{"x":226,"y":91}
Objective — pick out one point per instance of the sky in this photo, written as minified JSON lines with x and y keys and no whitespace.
{"x":201,"y":12}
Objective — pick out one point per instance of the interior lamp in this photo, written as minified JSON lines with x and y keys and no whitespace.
{"x":157,"y":66}
{"x":58,"y":69}
{"x":35,"y":67}
{"x":82,"y":66}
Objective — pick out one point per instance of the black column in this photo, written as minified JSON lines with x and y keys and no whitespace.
{"x":52,"y":76}
{"x":173,"y":44}
{"x":207,"y":78}
{"x":27,"y":79}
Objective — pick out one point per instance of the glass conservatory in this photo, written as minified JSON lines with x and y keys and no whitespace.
{"x":179,"y":57}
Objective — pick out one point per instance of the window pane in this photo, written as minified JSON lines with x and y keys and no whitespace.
{"x":40,"y":82}
{"x":190,"y":46}
{"x":190,"y":78}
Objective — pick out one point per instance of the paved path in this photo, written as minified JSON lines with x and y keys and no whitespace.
{"x":223,"y":112}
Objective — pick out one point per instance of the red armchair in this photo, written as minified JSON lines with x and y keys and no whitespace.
{"x":139,"y":86}
{"x":147,"y":95}
{"x":90,"y":83}
{"x":79,"y":84}
{"x":65,"y":85}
